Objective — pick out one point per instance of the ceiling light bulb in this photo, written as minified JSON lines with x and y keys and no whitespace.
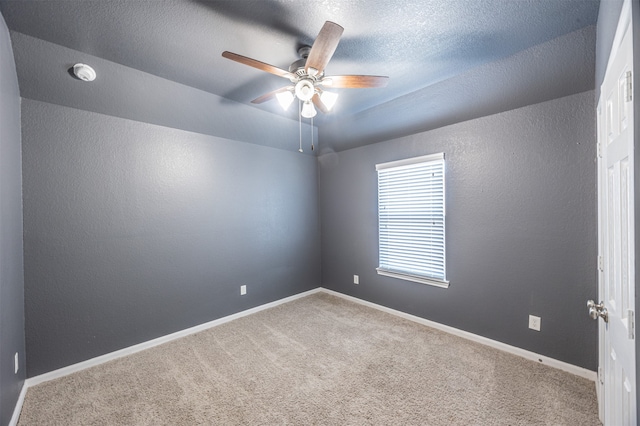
{"x":308,"y":111}
{"x":329,"y":99}
{"x":84,"y":72}
{"x":305,"y":90}
{"x":285,"y":99}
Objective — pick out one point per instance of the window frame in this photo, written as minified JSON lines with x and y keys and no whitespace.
{"x":405,"y":275}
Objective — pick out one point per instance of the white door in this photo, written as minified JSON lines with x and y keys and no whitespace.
{"x":616,"y":233}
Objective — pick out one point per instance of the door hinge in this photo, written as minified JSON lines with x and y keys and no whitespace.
{"x":599,"y":149}
{"x":628,"y":87}
{"x":601,"y":375}
{"x":631,"y":324}
{"x":600,"y":263}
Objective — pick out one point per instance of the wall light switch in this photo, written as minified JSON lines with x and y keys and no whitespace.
{"x":15,"y":363}
{"x":356,"y":279}
{"x":243,"y":290}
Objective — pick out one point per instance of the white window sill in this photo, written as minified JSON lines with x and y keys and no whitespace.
{"x":407,"y":277}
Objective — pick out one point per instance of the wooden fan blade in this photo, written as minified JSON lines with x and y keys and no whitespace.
{"x":268,"y":96}
{"x":323,"y":48}
{"x":355,"y":81}
{"x":257,"y":64}
{"x":318,"y":103}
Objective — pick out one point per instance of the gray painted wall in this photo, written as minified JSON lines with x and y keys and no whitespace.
{"x":133,"y":231}
{"x":521,"y":227}
{"x":11,"y":271}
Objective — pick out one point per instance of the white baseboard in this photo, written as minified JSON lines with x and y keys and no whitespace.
{"x":18,"y":408}
{"x":158,"y":341}
{"x":551,"y":362}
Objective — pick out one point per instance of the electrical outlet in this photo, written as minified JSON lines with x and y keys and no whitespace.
{"x":534,"y":323}
{"x":15,"y":363}
{"x":243,"y":290}
{"x":356,"y":279}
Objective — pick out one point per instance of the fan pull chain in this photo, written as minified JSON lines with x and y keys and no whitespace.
{"x":300,"y":123}
{"x":311,"y":133}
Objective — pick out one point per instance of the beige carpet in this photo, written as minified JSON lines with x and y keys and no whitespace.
{"x":319,"y":360}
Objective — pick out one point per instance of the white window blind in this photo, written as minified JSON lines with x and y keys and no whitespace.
{"x":411,"y":219}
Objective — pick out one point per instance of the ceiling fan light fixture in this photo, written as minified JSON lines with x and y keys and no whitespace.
{"x":305,"y":90}
{"x":308,"y":110}
{"x":285,"y":99}
{"x":329,"y":99}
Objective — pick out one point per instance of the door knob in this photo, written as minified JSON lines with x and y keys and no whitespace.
{"x":597,"y":310}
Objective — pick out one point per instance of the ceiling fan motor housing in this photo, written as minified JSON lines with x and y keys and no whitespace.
{"x":298,"y":67}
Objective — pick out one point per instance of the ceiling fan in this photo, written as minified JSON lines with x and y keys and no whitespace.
{"x":307,"y":77}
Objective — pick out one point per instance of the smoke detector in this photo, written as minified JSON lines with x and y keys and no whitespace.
{"x":84,"y":72}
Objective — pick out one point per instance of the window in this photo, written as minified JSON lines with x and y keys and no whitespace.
{"x":411,"y":217}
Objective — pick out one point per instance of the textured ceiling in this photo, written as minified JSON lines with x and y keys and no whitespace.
{"x":454,"y":51}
